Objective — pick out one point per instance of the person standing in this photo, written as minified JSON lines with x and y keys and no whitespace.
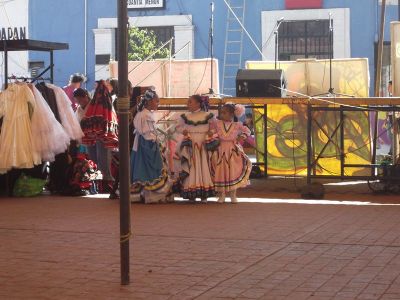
{"x":82,"y":99}
{"x":195,"y":174}
{"x":149,"y":171}
{"x":230,"y":166}
{"x":75,"y":82}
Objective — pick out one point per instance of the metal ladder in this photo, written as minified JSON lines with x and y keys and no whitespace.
{"x":233,"y":46}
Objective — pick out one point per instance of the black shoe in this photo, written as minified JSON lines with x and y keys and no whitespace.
{"x":113,"y":196}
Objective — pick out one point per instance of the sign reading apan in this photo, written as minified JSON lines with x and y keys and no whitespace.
{"x":146,"y":4}
{"x":300,"y":4}
{"x":12,"y":33}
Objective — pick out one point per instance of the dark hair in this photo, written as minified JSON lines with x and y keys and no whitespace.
{"x":145,"y":98}
{"x":114,"y":83}
{"x":202,"y":100}
{"x":231,"y":108}
{"x":390,"y":82}
{"x":136,"y":92}
{"x":80,"y":92}
{"x":77,"y":78}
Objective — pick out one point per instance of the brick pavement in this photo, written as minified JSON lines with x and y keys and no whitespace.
{"x":67,"y":248}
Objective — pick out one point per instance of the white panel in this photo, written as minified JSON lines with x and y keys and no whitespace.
{"x":102,"y":72}
{"x":395,"y":53}
{"x":341,"y":21}
{"x":183,"y":36}
{"x":104,"y":40}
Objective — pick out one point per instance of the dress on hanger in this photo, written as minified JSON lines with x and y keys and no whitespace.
{"x":16,"y":141}
{"x":68,"y":118}
{"x":49,"y":137}
{"x":100,"y":121}
{"x":50,"y":97}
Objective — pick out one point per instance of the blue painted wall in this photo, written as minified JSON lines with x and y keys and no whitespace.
{"x":63,"y":21}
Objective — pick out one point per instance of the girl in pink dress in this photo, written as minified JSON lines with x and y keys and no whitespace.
{"x":230,"y":166}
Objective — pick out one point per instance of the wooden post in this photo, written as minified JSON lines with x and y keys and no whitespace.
{"x":124,"y":163}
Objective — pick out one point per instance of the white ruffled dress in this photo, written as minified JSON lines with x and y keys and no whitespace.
{"x":68,"y":118}
{"x":49,"y":137}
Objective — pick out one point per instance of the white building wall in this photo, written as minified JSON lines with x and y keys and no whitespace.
{"x":341,"y":33}
{"x":14,"y":13}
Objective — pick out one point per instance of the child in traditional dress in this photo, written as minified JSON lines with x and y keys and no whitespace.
{"x":230,"y":166}
{"x":149,"y":172}
{"x":195,"y":170}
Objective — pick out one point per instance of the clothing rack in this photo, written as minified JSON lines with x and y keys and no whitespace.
{"x":33,"y":79}
{"x":29,"y":79}
{"x":7,"y":46}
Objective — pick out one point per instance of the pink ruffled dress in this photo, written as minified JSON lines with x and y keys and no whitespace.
{"x":230,"y":166}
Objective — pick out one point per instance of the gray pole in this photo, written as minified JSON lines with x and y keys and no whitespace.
{"x":378,"y":78}
{"x":378,"y":75}
{"x":124,"y":163}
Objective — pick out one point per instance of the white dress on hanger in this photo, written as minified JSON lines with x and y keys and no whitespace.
{"x":16,"y":145}
{"x":68,"y":118}
{"x":49,"y":137}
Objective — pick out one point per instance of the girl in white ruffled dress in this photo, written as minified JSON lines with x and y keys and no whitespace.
{"x":195,"y":169}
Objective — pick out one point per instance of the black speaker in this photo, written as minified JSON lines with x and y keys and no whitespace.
{"x":260,"y":83}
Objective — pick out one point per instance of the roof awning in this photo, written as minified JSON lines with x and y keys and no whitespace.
{"x":26,"y":45}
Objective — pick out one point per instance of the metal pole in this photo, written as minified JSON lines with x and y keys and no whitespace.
{"x":276,"y":47}
{"x":123,"y":114}
{"x":51,"y":66}
{"x":395,"y":140}
{"x":170,"y":70}
{"x":212,"y":46}
{"x":85,"y":37}
{"x":330,"y":52}
{"x":342,"y":156}
{"x":265,"y":120}
{"x":309,"y":140}
{"x":5,"y":65}
{"x":276,"y":32}
{"x":378,"y":75}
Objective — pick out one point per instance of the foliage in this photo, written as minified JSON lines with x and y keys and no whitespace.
{"x":142,"y":42}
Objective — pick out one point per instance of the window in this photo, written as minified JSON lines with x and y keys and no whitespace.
{"x":304,"y":39}
{"x":163,"y":34}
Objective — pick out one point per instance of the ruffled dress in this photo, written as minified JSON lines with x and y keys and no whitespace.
{"x":16,"y":140}
{"x":100,"y":121}
{"x":49,"y":137}
{"x":230,"y":166}
{"x":149,"y":170}
{"x":195,"y":168}
{"x":67,"y":116}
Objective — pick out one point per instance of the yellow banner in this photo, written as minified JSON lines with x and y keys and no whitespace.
{"x":286,"y":131}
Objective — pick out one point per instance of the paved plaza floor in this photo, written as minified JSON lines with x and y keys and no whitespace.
{"x":272,"y":245}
